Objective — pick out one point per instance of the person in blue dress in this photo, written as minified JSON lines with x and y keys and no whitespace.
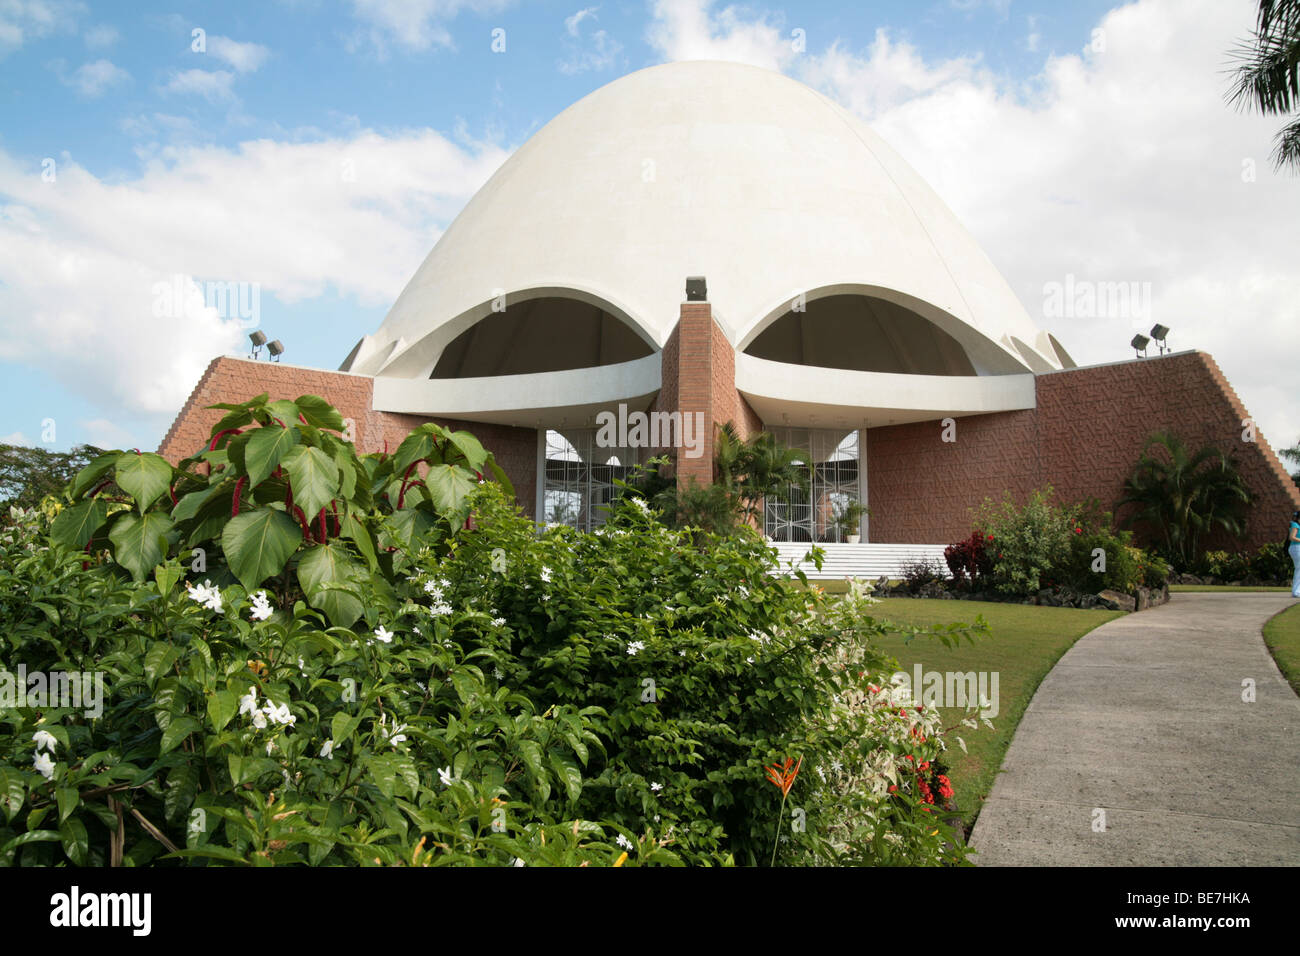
{"x":1293,"y":549}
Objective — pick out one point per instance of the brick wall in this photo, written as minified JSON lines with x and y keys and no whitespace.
{"x":228,"y":379}
{"x":1084,"y":438}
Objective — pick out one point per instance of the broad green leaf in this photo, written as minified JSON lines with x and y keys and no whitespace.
{"x":314,"y":478}
{"x":77,"y":525}
{"x":95,"y":472}
{"x":68,"y":798}
{"x":258,"y":543}
{"x":342,"y":727}
{"x":12,"y":792}
{"x":180,"y":728}
{"x":222,"y":705}
{"x":140,"y":542}
{"x":265,"y":449}
{"x":414,"y":447}
{"x":469,"y":446}
{"x":330,"y":564}
{"x":145,"y":477}
{"x":319,"y":412}
{"x":355,"y":530}
{"x":404,"y":526}
{"x":284,"y":411}
{"x":449,"y":485}
{"x":569,"y":773}
{"x":182,"y":785}
{"x":76,"y":843}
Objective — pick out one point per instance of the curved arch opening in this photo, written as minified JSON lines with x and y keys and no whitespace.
{"x":545,"y":334}
{"x":861,"y":333}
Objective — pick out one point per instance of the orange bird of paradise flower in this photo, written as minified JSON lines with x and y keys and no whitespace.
{"x":781,"y":776}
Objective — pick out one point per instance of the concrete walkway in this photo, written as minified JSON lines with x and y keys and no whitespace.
{"x":1143,"y":718}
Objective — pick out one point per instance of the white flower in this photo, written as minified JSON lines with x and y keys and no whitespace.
{"x":546,"y":575}
{"x":248,"y":703}
{"x":270,"y":745}
{"x":624,"y":842}
{"x":439,"y":608}
{"x":327,"y":751}
{"x":44,"y":740}
{"x":384,"y":634}
{"x":261,"y":607}
{"x":415,"y":631}
{"x":394,"y":736}
{"x":280,"y":713}
{"x":445,"y":777}
{"x":433,"y":586}
{"x":635,"y":646}
{"x":496,"y":672}
{"x":656,"y":787}
{"x":259,"y":720}
{"x":499,"y":621}
{"x":640,"y":503}
{"x":206,"y":594}
{"x":44,"y":765}
{"x":519,"y":862}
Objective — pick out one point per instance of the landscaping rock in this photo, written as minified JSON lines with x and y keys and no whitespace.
{"x":1115,"y":601}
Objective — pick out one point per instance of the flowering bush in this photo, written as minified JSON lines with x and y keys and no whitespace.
{"x":1030,"y":540}
{"x":441,"y":684}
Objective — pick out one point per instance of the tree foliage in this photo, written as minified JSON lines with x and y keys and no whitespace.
{"x":1268,"y":73}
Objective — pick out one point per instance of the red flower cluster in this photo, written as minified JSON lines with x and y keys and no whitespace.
{"x":945,"y":787}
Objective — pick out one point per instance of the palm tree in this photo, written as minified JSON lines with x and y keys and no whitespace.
{"x":1292,"y":455}
{"x":753,"y":470}
{"x":1269,"y":73}
{"x":1180,"y":497}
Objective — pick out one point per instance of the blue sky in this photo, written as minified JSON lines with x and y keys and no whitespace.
{"x":171,"y":161}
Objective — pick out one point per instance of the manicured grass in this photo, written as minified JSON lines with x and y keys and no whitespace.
{"x":1224,"y":587}
{"x":1023,"y":643}
{"x":1282,"y":635}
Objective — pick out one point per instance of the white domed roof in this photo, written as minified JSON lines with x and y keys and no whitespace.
{"x":739,"y":174}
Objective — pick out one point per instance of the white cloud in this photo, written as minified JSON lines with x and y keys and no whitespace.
{"x":572,"y":23}
{"x":23,"y":20}
{"x":103,"y":433}
{"x":1122,"y":165}
{"x":244,"y":57}
{"x":100,"y":37}
{"x":599,"y":51}
{"x":1033,"y":38}
{"x":93,"y":79}
{"x":84,"y":261}
{"x":17,"y":438}
{"x":690,"y":30}
{"x":416,"y":24}
{"x":212,"y":85}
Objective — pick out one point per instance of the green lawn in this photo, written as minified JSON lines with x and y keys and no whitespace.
{"x":1282,"y":635}
{"x":1023,"y":643}
{"x":1224,"y":587}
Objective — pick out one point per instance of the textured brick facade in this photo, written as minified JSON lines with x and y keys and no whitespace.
{"x":235,"y":380}
{"x":699,"y":375}
{"x":1083,"y":438}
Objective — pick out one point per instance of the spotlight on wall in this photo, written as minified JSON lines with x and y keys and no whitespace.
{"x":696,"y":290}
{"x":1140,"y":343}
{"x":275,"y":348}
{"x":258,"y":339}
{"x":1160,"y":333}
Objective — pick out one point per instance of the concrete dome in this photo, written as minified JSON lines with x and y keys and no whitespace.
{"x":739,"y":174}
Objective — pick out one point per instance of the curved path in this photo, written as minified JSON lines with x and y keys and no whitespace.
{"x":1143,"y":719}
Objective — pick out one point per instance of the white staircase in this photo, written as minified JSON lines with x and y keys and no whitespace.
{"x":860,"y":560}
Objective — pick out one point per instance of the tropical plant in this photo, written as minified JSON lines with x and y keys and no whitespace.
{"x":1268,"y":77}
{"x":1029,"y":541}
{"x":848,"y":516}
{"x":754,"y":469}
{"x":278,"y":494}
{"x":1178,"y":498}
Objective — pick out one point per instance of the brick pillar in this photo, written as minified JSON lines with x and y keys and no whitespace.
{"x":705,"y":367}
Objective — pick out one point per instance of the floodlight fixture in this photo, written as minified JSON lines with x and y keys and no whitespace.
{"x":1140,"y":343}
{"x":275,"y":348}
{"x":1160,"y":333}
{"x":696,"y":289}
{"x":258,"y":339}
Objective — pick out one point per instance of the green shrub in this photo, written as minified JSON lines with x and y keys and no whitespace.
{"x":492,"y":696}
{"x":1029,"y":541}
